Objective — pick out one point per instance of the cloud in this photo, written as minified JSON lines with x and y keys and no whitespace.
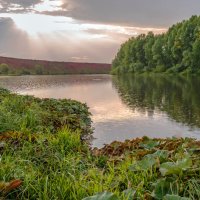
{"x":18,"y":6}
{"x":120,"y":33}
{"x":12,"y":39}
{"x":143,"y":13}
{"x":39,"y":36}
{"x":83,"y":30}
{"x":59,"y":45}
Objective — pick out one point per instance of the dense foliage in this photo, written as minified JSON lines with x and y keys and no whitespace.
{"x":33,"y":115}
{"x":177,"y":50}
{"x":41,"y":158}
{"x":59,"y":166}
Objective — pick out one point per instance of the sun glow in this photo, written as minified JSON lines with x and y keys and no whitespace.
{"x":34,"y":24}
{"x":48,"y":5}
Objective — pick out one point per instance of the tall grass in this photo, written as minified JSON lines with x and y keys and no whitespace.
{"x":54,"y":163}
{"x":60,"y":166}
{"x":34,"y":115}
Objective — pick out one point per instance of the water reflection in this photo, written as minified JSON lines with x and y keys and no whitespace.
{"x":177,"y":96}
{"x":124,"y":107}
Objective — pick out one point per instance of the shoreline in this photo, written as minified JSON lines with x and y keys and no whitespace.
{"x":44,"y":162}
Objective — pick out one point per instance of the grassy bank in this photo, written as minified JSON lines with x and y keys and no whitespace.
{"x":47,"y":158}
{"x":33,"y":115}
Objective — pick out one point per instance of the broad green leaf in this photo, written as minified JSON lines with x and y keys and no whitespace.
{"x":102,"y":196}
{"x":184,"y":163}
{"x":169,"y":168}
{"x":128,"y":194}
{"x":174,"y":197}
{"x":149,"y":144}
{"x":143,"y":165}
{"x":161,"y":154}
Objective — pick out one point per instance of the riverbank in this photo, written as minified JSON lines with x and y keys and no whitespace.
{"x":44,"y":156}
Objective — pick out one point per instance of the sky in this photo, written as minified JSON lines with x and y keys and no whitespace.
{"x":83,"y":30}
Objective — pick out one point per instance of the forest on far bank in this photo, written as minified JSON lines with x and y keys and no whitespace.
{"x":176,"y":51}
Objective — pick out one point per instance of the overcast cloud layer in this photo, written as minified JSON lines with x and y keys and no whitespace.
{"x":148,"y":13}
{"x":83,"y":30}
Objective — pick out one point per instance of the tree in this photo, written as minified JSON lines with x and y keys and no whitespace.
{"x":38,"y":69}
{"x":177,"y":50}
{"x":4,"y":68}
{"x":196,"y":56}
{"x":148,"y":50}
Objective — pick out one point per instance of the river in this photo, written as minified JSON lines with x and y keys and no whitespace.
{"x":124,"y":107}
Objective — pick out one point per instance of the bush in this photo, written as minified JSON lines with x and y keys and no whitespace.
{"x":4,"y":68}
{"x":25,"y":72}
{"x":39,"y":70}
{"x":33,"y":115}
{"x":138,"y":67}
{"x":160,"y":68}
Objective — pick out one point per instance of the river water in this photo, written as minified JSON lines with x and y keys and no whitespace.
{"x":124,"y":107}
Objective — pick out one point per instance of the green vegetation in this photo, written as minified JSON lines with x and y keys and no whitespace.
{"x":174,"y":95}
{"x":33,"y":115}
{"x":51,"y":69}
{"x":4,"y":68}
{"x":39,"y":70}
{"x":16,"y":66}
{"x":44,"y":156}
{"x":176,"y":51}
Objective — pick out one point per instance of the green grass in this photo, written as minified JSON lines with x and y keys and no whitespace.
{"x":33,"y":115}
{"x":55,"y":163}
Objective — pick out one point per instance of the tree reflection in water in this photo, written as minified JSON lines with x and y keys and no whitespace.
{"x":177,"y":96}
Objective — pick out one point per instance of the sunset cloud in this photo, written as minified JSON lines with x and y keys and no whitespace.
{"x":83,"y":30}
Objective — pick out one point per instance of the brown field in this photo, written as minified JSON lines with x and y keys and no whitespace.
{"x":26,"y":66}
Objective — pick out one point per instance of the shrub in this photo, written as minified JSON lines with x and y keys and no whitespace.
{"x":160,"y":68}
{"x":39,"y":69}
{"x":4,"y":68}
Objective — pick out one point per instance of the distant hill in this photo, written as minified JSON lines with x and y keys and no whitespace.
{"x":18,"y":66}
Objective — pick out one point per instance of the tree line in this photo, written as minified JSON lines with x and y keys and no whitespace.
{"x":176,"y":51}
{"x":5,"y":69}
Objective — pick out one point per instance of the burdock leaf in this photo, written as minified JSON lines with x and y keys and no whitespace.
{"x":169,"y":168}
{"x":149,"y":144}
{"x":161,"y":154}
{"x":143,"y":165}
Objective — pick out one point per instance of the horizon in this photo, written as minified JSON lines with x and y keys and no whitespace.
{"x":54,"y":61}
{"x":86,"y":31}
